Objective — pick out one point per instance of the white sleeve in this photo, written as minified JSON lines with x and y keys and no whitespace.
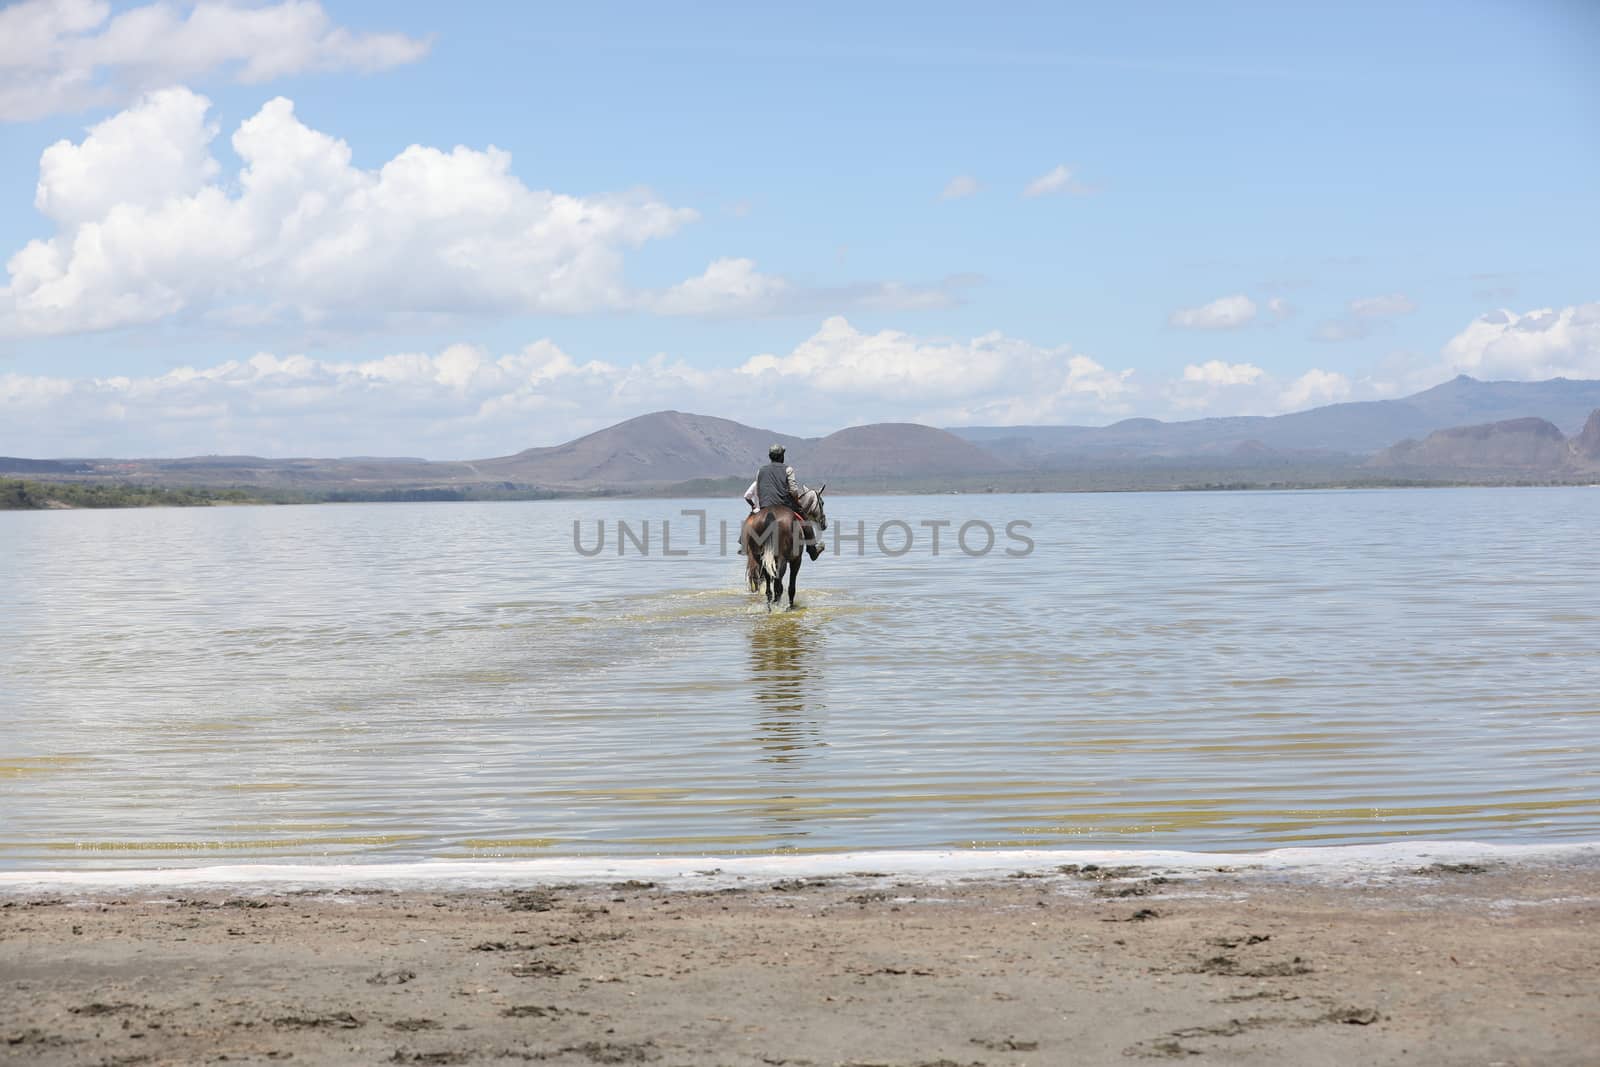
{"x":750,"y":495}
{"x":794,"y":486}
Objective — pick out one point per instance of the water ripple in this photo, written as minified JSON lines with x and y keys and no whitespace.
{"x":1199,"y":671}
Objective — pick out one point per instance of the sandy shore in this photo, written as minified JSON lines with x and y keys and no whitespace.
{"x":1461,"y":963}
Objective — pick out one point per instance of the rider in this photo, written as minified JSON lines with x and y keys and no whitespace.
{"x":775,"y":484}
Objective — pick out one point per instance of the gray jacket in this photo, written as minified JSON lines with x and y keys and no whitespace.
{"x":776,"y":486}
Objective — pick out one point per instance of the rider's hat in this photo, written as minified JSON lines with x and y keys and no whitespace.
{"x":775,"y":452}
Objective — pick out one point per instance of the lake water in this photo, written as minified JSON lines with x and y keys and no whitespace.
{"x":368,"y":683}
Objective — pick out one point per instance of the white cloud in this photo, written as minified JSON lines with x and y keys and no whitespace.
{"x":68,"y":55}
{"x":1364,"y":316}
{"x":1217,"y":387}
{"x":148,"y":227}
{"x":962,"y":185}
{"x":1314,"y":388}
{"x":1216,"y":372}
{"x":1281,"y":309}
{"x":1534,"y":345}
{"x":139,"y":157}
{"x":733,"y":287}
{"x":989,"y":378}
{"x":296,"y":405}
{"x":300,"y":232}
{"x":728,"y":286}
{"x":1228,"y":313}
{"x":1056,"y":180}
{"x":463,"y":402}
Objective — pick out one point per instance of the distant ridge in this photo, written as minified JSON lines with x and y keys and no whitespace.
{"x":1351,"y":429}
{"x":1522,"y":445}
{"x":1492,"y":426}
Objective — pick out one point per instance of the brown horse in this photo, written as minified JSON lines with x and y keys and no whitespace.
{"x":773,"y":539}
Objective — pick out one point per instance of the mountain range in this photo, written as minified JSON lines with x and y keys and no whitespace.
{"x":1354,"y":429}
{"x":1486,"y":426}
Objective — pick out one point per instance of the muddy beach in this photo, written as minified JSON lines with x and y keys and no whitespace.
{"x":1453,"y":963}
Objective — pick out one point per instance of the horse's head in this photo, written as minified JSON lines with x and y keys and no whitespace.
{"x":822,"y":511}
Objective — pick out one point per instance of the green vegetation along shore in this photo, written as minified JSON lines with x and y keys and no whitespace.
{"x":19,"y":495}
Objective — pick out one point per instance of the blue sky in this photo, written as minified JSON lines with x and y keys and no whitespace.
{"x":1258,"y":207}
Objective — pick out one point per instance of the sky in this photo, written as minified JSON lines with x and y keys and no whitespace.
{"x":326,"y":228}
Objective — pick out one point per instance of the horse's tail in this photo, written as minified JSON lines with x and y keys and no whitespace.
{"x":767,"y":532}
{"x":761,"y":543}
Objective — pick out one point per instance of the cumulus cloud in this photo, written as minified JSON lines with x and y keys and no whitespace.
{"x":1364,"y":316}
{"x":67,"y":55}
{"x":1056,"y":180}
{"x":463,"y":401}
{"x":297,"y":405}
{"x":992,"y":378}
{"x":962,"y":185}
{"x":1227,"y":313}
{"x":147,"y":227}
{"x":1534,"y":345}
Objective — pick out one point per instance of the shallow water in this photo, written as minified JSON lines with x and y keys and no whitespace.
{"x":1194,"y":671}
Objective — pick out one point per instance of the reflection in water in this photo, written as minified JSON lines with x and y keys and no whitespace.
{"x":784,"y":664}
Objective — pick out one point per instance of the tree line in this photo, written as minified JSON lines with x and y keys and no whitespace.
{"x":16,"y":494}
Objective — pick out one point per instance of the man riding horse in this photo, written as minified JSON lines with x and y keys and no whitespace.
{"x":784,"y":517}
{"x":775,"y":485}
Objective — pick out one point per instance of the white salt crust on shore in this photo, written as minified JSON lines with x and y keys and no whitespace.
{"x":1334,"y":863}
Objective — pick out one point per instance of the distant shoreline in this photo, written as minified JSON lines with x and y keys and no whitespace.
{"x":48,"y":495}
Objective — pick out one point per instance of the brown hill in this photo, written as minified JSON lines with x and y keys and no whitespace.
{"x":1513,"y":445}
{"x":672,"y":446}
{"x":895,"y":450}
{"x":655,"y":449}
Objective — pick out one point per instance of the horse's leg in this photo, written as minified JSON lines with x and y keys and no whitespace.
{"x":794,"y":574}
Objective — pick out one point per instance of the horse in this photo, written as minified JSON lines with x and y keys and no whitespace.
{"x":772,"y":540}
